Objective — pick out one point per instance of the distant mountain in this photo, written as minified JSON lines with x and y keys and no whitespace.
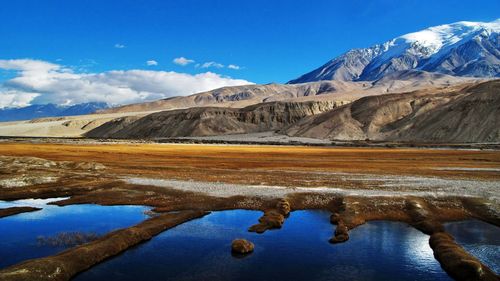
{"x":458,"y":49}
{"x":461,"y":113}
{"x":346,"y":91}
{"x":49,"y":110}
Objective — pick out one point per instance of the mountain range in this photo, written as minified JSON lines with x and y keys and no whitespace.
{"x":459,"y":49}
{"x":436,"y":85}
{"x":49,"y":110}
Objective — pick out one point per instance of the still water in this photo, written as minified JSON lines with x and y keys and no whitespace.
{"x":18,"y":233}
{"x":480,"y":239}
{"x":200,"y":250}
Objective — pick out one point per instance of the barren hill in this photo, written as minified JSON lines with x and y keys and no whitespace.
{"x":207,"y":121}
{"x":466,"y":113}
{"x":346,"y":91}
{"x":471,"y":114}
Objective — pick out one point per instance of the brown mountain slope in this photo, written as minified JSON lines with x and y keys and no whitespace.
{"x":208,"y":121}
{"x":471,"y":114}
{"x":241,"y":96}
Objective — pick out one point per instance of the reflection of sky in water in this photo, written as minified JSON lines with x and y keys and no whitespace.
{"x":19,"y":232}
{"x":479,"y":238}
{"x":200,"y":250}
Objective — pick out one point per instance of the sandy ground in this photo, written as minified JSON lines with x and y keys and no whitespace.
{"x":260,"y":137}
{"x":394,"y":187}
{"x":67,"y":126}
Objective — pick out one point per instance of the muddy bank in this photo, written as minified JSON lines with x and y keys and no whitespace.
{"x":273,"y":217}
{"x":16,"y":210}
{"x":68,"y":263}
{"x":427,"y":217}
{"x":456,"y":261}
{"x":425,"y":214}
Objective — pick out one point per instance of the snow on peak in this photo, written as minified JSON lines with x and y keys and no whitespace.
{"x":445,"y":35}
{"x":430,"y":50}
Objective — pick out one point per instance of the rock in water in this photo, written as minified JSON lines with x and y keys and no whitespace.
{"x":242,"y":246}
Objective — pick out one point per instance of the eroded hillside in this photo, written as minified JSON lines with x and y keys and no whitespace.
{"x":471,"y":114}
{"x":207,"y":121}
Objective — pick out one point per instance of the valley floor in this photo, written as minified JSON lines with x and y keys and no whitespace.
{"x":422,"y":187}
{"x":268,"y":165}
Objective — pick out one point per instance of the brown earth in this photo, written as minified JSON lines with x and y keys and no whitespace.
{"x":456,"y":261}
{"x":16,"y":210}
{"x":270,"y":165}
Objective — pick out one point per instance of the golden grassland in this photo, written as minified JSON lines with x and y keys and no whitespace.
{"x":283,"y":165}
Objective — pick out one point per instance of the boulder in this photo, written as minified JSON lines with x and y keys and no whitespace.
{"x":242,"y":246}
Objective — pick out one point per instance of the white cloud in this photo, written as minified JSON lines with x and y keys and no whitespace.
{"x":211,"y":64}
{"x":234,"y":66}
{"x":119,"y":46}
{"x":39,"y":82}
{"x":182,"y":61}
{"x":28,"y":65}
{"x":13,"y":98}
{"x":151,"y":62}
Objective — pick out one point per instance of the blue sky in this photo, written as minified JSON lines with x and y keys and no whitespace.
{"x":270,"y":41}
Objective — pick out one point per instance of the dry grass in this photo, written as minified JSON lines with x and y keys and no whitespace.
{"x":280,"y":165}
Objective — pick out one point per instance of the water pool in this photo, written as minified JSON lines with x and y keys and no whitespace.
{"x":200,"y":250}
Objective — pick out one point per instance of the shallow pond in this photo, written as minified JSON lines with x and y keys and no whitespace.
{"x":200,"y":250}
{"x":479,"y":238}
{"x":19,"y":233}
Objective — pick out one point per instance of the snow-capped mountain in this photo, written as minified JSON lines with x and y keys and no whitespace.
{"x":49,"y":110}
{"x":461,"y":49}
